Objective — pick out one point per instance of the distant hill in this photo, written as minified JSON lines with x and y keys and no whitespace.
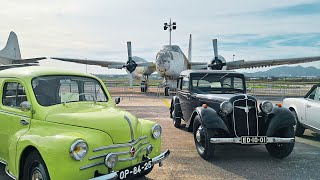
{"x":286,"y":71}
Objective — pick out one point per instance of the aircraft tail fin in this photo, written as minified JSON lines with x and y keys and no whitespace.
{"x":11,"y":50}
{"x":190,"y":48}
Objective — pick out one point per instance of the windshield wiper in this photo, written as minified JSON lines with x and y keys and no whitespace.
{"x":81,"y":94}
{"x":224,"y":76}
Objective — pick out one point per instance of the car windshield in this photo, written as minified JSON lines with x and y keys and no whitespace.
{"x":51,"y":90}
{"x":217,"y":83}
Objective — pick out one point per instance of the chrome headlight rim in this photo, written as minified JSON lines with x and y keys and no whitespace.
{"x":226,"y":107}
{"x":111,"y":156}
{"x":158,"y":133}
{"x":266,"y":107}
{"x":73,"y":146}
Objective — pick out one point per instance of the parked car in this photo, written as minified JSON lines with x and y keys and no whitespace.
{"x":57,"y":124}
{"x":216,"y":108}
{"x":306,"y":110}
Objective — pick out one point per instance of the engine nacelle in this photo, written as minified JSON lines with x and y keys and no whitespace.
{"x":221,"y":65}
{"x":141,"y":71}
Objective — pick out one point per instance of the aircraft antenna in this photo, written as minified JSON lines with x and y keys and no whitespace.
{"x":170,"y":26}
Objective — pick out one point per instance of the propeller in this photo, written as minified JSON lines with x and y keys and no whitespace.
{"x":130,"y":64}
{"x":216,"y":62}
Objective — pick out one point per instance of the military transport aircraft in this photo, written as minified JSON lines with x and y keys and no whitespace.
{"x":10,"y":55}
{"x":170,"y":61}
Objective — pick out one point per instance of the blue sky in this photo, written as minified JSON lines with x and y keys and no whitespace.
{"x":98,"y":29}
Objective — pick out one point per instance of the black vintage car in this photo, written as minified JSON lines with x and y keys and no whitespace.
{"x":216,"y":108}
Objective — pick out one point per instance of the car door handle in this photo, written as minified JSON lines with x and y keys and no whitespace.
{"x":24,"y":122}
{"x":308,"y":106}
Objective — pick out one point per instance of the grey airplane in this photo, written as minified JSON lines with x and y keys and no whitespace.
{"x":170,"y":61}
{"x":10,"y":55}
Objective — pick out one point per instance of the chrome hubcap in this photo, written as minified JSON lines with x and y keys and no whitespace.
{"x":36,"y":175}
{"x":198,"y":134}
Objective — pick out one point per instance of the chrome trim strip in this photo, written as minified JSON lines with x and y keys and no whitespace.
{"x":120,"y":145}
{"x":7,"y":170}
{"x":119,"y":160}
{"x":12,"y":113}
{"x":91,"y":165}
{"x":131,"y":128}
{"x":112,"y":175}
{"x":238,"y":140}
{"x":118,"y":153}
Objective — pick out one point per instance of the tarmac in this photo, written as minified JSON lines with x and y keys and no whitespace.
{"x":230,"y":161}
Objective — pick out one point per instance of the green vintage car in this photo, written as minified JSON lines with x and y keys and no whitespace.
{"x":57,"y":125}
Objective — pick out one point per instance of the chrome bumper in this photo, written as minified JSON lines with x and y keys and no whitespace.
{"x":238,"y":140}
{"x":155,"y":160}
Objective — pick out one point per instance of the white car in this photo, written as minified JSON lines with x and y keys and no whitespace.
{"x":306,"y":110}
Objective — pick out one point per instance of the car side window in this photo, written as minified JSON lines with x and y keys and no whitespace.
{"x":13,"y":94}
{"x":315,"y":94}
{"x":185,"y":84}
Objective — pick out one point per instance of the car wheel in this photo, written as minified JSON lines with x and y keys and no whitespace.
{"x":202,"y":139}
{"x":176,"y":120}
{"x":146,"y":172}
{"x":299,"y":129}
{"x":281,"y":150}
{"x":34,"y":168}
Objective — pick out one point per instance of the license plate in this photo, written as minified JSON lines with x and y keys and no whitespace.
{"x":253,"y":139}
{"x":135,"y":170}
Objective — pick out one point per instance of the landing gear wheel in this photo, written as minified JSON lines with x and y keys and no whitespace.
{"x":281,"y":150}
{"x":299,"y":129}
{"x":35,"y":168}
{"x":166,"y":91}
{"x":202,"y":139}
{"x":144,"y":87}
{"x":176,"y":120}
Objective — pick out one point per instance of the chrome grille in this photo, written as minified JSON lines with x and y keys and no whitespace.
{"x":245,"y":117}
{"x":140,"y":146}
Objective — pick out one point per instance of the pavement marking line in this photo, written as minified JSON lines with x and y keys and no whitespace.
{"x":307,"y":141}
{"x":166,"y":102}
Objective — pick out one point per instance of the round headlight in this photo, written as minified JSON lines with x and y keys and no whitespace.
{"x":79,"y":149}
{"x":226,"y":107}
{"x":111,"y":160}
{"x":156,"y":131}
{"x":266,"y":107}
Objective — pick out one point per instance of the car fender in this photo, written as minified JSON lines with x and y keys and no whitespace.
{"x":210,"y":118}
{"x":175,"y":103}
{"x":279,"y":118}
{"x":298,"y":105}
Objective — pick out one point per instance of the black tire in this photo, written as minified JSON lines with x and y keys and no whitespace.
{"x":281,"y":150}
{"x":146,"y":172}
{"x":202,"y":137}
{"x":34,"y":166}
{"x":176,"y":120}
{"x":166,"y":91}
{"x":299,"y":129}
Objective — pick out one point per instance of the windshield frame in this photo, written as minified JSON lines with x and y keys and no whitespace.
{"x":98,"y":82}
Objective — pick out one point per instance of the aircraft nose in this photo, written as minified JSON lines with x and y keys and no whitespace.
{"x":163,"y":61}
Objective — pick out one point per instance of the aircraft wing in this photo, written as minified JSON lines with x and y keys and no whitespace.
{"x":29,"y":60}
{"x":109,"y":64}
{"x":239,"y":64}
{"x":3,"y":67}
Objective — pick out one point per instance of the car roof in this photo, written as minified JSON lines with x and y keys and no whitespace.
{"x":35,"y":71}
{"x":188,"y":72}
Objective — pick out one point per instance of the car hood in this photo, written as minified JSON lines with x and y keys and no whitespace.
{"x":111,"y":120}
{"x":224,"y":97}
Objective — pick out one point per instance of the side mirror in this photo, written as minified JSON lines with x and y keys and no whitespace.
{"x":25,"y":106}
{"x":117,"y":100}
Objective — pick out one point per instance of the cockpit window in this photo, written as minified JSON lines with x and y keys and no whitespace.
{"x":51,"y":90}
{"x":217,"y":83}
